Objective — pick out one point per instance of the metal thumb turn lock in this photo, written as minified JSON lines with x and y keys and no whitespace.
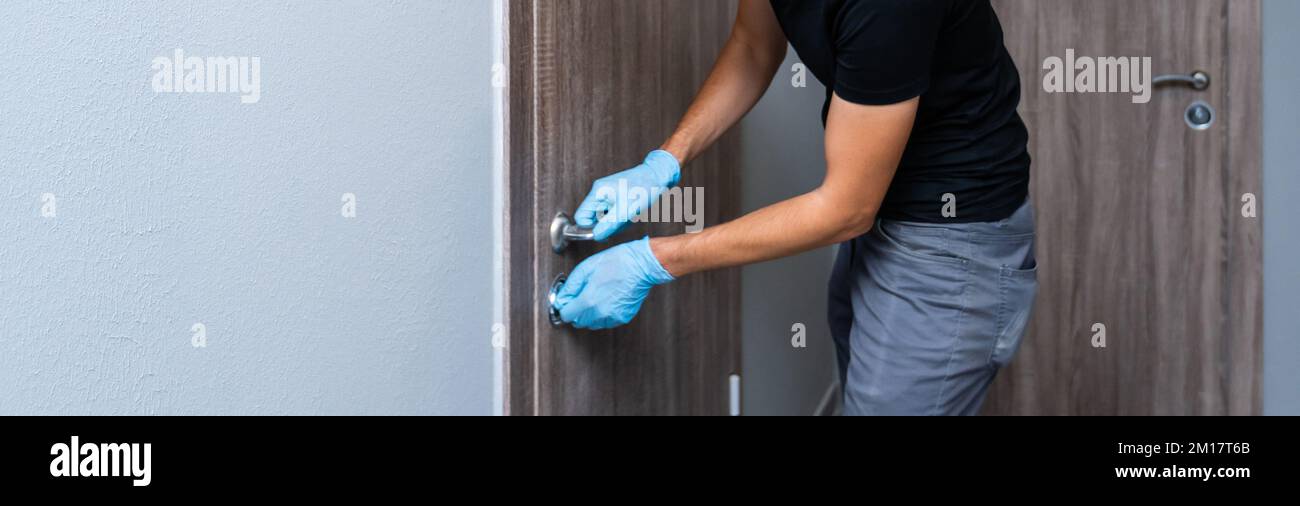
{"x":565,"y":231}
{"x":551,"y":310}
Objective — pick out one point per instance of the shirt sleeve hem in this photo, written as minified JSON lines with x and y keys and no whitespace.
{"x":886,"y":97}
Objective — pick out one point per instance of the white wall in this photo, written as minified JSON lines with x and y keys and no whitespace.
{"x":1281,"y":183}
{"x":782,"y":157}
{"x":177,"y":209}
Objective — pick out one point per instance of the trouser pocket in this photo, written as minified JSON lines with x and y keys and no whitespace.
{"x":1017,"y":289}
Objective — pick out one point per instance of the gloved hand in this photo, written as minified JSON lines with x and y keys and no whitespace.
{"x":608,"y":210}
{"x":607,"y":290}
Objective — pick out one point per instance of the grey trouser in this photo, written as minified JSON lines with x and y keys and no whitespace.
{"x":923,"y":315}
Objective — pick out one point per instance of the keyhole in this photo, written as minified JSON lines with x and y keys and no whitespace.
{"x":1200,"y":116}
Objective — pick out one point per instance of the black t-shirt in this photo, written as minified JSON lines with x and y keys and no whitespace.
{"x":968,"y":140}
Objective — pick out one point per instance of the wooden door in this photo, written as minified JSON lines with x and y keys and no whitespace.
{"x":1140,"y":217}
{"x":593,"y":86}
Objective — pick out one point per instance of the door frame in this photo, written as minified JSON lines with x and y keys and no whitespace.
{"x":1245,"y":161}
{"x":520,"y":388}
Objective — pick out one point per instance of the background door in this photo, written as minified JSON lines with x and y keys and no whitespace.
{"x":593,"y":86}
{"x":1140,"y":217}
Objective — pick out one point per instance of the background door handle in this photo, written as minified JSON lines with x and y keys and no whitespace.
{"x":1198,"y":80}
{"x":564,"y":231}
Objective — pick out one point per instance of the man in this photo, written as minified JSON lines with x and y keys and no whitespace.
{"x":926,"y":188}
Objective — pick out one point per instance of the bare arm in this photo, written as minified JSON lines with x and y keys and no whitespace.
{"x":741,"y":75}
{"x":864,"y":145}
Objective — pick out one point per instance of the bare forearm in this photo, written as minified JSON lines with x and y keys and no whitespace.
{"x":741,"y":75}
{"x":785,"y":229}
{"x":863,"y":147}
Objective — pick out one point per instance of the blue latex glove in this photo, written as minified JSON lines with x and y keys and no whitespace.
{"x":611,"y":205}
{"x":607,"y":290}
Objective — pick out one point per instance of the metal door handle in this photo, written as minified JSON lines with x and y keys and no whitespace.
{"x":1198,"y":80}
{"x":564,"y":231}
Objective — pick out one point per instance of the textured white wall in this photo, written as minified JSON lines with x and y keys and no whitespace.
{"x":174,"y":210}
{"x":782,"y":157}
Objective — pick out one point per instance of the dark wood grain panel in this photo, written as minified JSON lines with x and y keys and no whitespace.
{"x":519,"y":262}
{"x":1245,"y":307}
{"x":1136,"y":217}
{"x":604,"y":82}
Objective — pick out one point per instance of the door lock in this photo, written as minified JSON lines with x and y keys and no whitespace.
{"x":1199,"y":116}
{"x":551,"y":310}
{"x":564,"y":231}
